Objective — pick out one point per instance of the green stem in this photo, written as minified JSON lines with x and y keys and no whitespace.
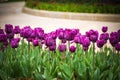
{"x":77,"y":47}
{"x":28,"y":47}
{"x":93,"y":63}
{"x":23,"y":46}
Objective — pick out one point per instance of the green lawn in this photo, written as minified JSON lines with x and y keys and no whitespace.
{"x":73,"y":7}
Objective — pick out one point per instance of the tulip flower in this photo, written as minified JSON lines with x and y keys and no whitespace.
{"x":61,"y":35}
{"x":49,"y":41}
{"x":104,"y":29}
{"x":77,"y":39}
{"x":100,"y":43}
{"x":35,"y":42}
{"x":86,"y":42}
{"x":52,"y":48}
{"x":10,"y":35}
{"x":39,"y":32}
{"x":14,"y":43}
{"x":62,"y":47}
{"x":72,"y":48}
{"x":117,"y":46}
{"x":69,"y":34}
{"x":16,"y":30}
{"x":113,"y":38}
{"x":93,"y":35}
{"x":104,"y":36}
{"x":3,"y":37}
{"x":8,"y":28}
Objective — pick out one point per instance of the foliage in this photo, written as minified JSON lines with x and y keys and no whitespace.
{"x":75,"y":7}
{"x":82,"y":1}
{"x":42,"y":64}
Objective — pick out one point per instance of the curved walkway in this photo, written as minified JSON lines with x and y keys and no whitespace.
{"x":12,"y":13}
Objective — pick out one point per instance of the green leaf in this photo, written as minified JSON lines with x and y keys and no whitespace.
{"x":97,"y":74}
{"x":3,"y":75}
{"x":66,"y":71}
{"x":110,"y":76}
{"x":87,"y":76}
{"x":38,"y":76}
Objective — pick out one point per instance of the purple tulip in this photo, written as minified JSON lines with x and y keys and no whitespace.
{"x":113,"y":34}
{"x":117,"y":46}
{"x":17,"y":39}
{"x":14,"y":43}
{"x":49,"y":41}
{"x":59,"y":30}
{"x":3,"y":37}
{"x":52,"y":48}
{"x":93,"y":35}
{"x":53,"y":34}
{"x":86,"y":42}
{"x":29,"y":39}
{"x":10,"y":35}
{"x":100,"y":43}
{"x":62,"y":47}
{"x":113,"y":41}
{"x":69,"y":34}
{"x":113,"y":38}
{"x":88,"y":34}
{"x":77,"y":39}
{"x":8,"y":28}
{"x":39,"y":33}
{"x":1,"y":31}
{"x":61,"y":35}
{"x":72,"y":48}
{"x":75,"y":31}
{"x":104,"y":36}
{"x":22,"y":32}
{"x":35,"y":42}
{"x":16,"y":30}
{"x":26,"y":32}
{"x":33,"y":34}
{"x":104,"y":29}
{"x":82,"y":37}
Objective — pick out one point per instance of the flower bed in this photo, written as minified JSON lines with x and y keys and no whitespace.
{"x":74,"y":6}
{"x":32,"y":54}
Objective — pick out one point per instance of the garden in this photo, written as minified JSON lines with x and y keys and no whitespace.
{"x":62,"y":54}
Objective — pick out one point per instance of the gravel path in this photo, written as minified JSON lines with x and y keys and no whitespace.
{"x":12,"y":13}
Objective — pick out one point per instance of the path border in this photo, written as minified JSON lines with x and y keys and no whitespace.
{"x":74,"y":16}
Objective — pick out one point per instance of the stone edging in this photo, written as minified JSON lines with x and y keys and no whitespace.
{"x":75,"y":16}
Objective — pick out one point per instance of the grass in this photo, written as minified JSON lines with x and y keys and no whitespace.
{"x":72,"y":7}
